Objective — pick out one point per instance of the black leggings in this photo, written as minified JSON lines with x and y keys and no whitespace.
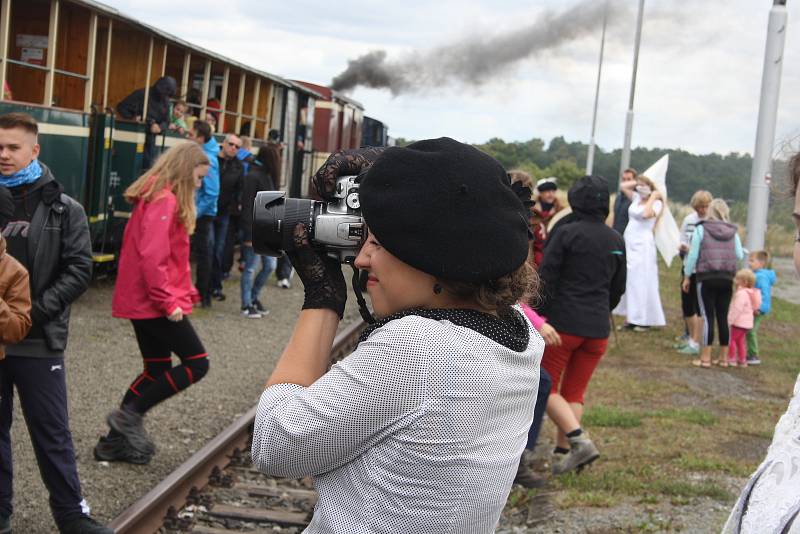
{"x":713,"y":298}
{"x":158,"y":339}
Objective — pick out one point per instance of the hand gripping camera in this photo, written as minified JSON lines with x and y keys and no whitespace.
{"x":336,"y":227}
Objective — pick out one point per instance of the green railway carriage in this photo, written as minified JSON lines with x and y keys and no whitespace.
{"x":69,"y":62}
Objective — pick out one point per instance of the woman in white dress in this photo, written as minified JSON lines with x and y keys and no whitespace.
{"x":641,"y":303}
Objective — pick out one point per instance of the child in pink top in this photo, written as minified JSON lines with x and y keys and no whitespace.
{"x":746,"y":301}
{"x":548,"y":333}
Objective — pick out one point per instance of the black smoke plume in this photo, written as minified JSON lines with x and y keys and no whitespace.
{"x":476,"y":59}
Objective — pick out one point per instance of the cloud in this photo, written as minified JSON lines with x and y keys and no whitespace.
{"x":699,"y":71}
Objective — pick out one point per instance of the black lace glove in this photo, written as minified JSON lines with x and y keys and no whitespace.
{"x":342,"y":163}
{"x":322,"y":277}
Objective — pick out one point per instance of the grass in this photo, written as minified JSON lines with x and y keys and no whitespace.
{"x":689,"y":415}
{"x":671,"y":433}
{"x":607,"y":416}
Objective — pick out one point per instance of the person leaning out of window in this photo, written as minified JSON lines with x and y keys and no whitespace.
{"x":421,"y":428}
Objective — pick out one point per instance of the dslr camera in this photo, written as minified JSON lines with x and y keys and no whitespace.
{"x":335,"y":227}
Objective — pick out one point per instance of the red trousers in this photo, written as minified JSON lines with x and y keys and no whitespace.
{"x":571,"y":365}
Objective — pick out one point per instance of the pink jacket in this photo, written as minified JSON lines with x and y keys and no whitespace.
{"x":154,"y":275}
{"x":743,"y":305}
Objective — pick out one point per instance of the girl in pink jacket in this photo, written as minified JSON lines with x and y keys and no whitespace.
{"x":746,"y":301}
{"x":154,"y":291}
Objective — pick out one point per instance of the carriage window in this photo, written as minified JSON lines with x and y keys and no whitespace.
{"x":71,"y":56}
{"x":28,"y":47}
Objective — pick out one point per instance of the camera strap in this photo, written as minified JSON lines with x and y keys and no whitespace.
{"x":359,"y":283}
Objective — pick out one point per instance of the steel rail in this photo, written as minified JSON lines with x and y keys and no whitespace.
{"x":146,"y":515}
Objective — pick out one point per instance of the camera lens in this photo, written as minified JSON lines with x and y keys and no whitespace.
{"x":274,"y":219}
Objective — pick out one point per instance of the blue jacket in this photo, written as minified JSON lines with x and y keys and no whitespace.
{"x":765,"y":279}
{"x":205,"y":198}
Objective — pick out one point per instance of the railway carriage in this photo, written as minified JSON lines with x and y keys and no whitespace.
{"x":69,"y":62}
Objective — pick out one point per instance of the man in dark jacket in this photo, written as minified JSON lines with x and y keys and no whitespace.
{"x":231,"y":174}
{"x":622,"y":202}
{"x":49,"y":235}
{"x":157,"y":119}
{"x":583,"y":277}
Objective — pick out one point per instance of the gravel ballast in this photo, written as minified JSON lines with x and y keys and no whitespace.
{"x":102,"y":359}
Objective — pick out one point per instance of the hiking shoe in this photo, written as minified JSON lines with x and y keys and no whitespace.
{"x":84,"y":525}
{"x":581,"y":453}
{"x":131,"y":426}
{"x":751,"y":360}
{"x":251,"y":313}
{"x":527,"y":477}
{"x":117,"y":449}
{"x":688,"y":349}
{"x":5,"y":525}
{"x":284,"y":283}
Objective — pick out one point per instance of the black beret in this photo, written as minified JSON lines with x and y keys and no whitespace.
{"x":447,"y":209}
{"x":6,"y":206}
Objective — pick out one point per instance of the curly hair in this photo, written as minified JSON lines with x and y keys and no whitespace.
{"x":501,"y":293}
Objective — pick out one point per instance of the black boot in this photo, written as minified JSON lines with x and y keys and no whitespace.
{"x":84,"y":525}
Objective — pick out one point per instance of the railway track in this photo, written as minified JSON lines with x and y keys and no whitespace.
{"x":216,"y":491}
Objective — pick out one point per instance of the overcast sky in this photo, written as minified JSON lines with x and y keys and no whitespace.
{"x":699,"y":68}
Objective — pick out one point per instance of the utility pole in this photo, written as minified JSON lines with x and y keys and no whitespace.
{"x":590,"y":155}
{"x":626,"y":149}
{"x":758,"y":203}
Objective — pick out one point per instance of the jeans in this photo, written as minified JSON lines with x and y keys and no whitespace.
{"x":545,"y":385}
{"x":251,"y":288}
{"x":203,"y":246}
{"x":284,"y":269}
{"x":220,"y":237}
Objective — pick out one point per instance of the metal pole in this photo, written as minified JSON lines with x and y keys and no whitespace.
{"x":758,"y":204}
{"x":626,"y":149}
{"x":590,"y":155}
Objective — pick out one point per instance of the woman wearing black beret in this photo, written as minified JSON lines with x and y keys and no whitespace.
{"x":421,"y":428}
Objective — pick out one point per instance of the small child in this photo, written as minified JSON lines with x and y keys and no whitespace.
{"x":15,"y":292}
{"x":765,"y":279}
{"x":746,"y":300}
{"x":176,"y":117}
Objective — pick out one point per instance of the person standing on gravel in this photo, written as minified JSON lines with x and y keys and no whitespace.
{"x":583,"y":278}
{"x":258,"y":179}
{"x":154,"y":290}
{"x":59,"y":262}
{"x":421,"y":428}
{"x":15,"y":290}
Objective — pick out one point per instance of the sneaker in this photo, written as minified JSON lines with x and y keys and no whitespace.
{"x":131,"y":426}
{"x":5,"y":525}
{"x":284,"y":283}
{"x":641,"y":328}
{"x":84,"y":525}
{"x":259,"y":307}
{"x":751,"y":360}
{"x":251,"y":313}
{"x":217,"y":294}
{"x":118,"y":449}
{"x":205,"y":303}
{"x":689,"y":349}
{"x":581,"y":453}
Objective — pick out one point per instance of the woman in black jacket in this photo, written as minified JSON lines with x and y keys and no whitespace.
{"x":583,"y":277}
{"x":258,"y":179}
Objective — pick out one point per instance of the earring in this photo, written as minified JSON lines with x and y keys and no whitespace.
{"x":437,"y":288}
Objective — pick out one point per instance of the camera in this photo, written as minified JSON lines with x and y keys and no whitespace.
{"x":335,"y":227}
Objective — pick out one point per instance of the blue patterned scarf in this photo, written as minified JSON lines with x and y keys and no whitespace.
{"x":25,"y":176}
